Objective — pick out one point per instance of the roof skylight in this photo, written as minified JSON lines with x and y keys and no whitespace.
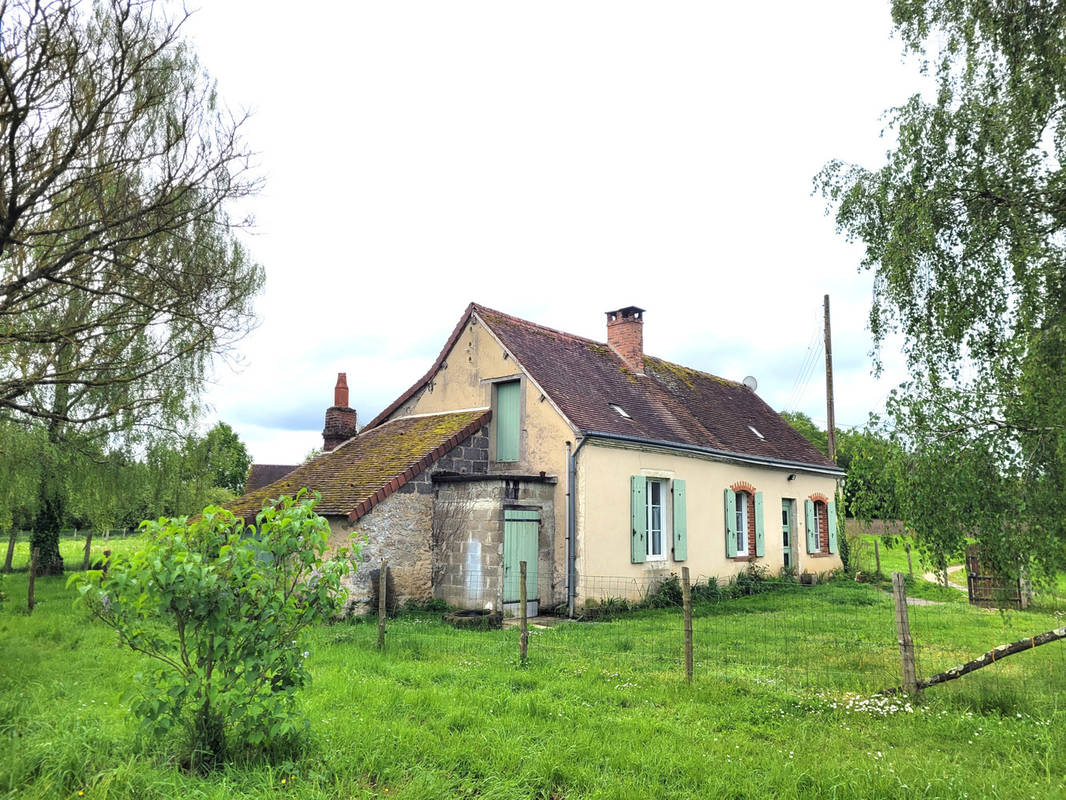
{"x":753,"y":430}
{"x":620,"y":410}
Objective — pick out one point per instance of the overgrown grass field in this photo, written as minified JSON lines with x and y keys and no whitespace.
{"x":782,"y":705}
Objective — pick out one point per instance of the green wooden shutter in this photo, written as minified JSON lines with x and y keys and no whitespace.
{"x":812,"y":536}
{"x":508,"y":404}
{"x":831,"y":509}
{"x":730,"y":524}
{"x":638,"y":519}
{"x":760,"y":539}
{"x":680,"y":522}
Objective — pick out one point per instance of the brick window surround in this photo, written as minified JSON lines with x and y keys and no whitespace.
{"x":749,"y":500}
{"x":821,"y":512}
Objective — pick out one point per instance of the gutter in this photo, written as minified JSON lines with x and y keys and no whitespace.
{"x":571,"y":549}
{"x":764,"y":461}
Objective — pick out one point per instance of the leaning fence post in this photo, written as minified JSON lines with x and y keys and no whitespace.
{"x":910,"y":566}
{"x":903,"y":634}
{"x":523,"y":642}
{"x":877,"y":557}
{"x":34,"y":558}
{"x":382,"y":584}
{"x":686,"y":606}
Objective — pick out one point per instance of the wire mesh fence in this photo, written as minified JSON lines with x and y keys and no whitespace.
{"x":839,"y":637}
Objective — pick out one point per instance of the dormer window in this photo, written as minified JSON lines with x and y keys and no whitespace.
{"x":620,"y":410}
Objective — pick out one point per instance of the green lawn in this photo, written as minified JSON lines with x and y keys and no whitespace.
{"x":781,"y":706}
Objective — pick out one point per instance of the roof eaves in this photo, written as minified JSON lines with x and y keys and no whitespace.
{"x":529,"y":375}
{"x":397,"y":481}
{"x":744,"y":458}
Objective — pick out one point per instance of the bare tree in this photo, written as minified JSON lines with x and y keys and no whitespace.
{"x":450,"y":518}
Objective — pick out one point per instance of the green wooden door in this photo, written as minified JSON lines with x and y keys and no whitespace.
{"x":508,"y":408}
{"x":786,"y":532}
{"x":521,"y":530}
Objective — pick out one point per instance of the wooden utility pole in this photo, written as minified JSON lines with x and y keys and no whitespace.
{"x":830,"y":417}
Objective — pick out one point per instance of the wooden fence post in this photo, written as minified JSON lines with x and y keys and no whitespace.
{"x":382,"y":587}
{"x":686,"y":606}
{"x":877,"y":557}
{"x":30,"y":600}
{"x":523,"y":642}
{"x":910,"y":566}
{"x":903,"y":634}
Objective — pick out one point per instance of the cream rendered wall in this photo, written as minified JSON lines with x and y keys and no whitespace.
{"x":603,"y":521}
{"x":465,"y":381}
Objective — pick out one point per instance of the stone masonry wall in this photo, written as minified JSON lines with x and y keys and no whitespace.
{"x":400,"y":529}
{"x":469,"y":535}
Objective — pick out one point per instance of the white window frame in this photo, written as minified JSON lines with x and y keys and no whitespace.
{"x":664,"y":516}
{"x":818,"y":527}
{"x":741,"y":499}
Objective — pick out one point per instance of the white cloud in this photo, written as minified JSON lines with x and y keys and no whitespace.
{"x":551,"y":160}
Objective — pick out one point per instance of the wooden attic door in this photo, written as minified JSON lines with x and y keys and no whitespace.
{"x":521,"y":534}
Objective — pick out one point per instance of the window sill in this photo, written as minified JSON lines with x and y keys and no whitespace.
{"x":744,"y":558}
{"x":820,"y":555}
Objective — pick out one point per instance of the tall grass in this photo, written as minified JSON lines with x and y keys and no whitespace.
{"x":601,"y":709}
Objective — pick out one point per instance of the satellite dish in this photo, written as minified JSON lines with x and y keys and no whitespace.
{"x":751,"y":383}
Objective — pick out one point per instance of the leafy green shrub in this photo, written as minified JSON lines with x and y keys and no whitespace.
{"x":666,"y":595}
{"x":221,"y":606}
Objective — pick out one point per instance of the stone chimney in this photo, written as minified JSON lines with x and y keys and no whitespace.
{"x":625,"y":335}
{"x":340,"y":419}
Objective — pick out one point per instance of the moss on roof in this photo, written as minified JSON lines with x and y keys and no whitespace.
{"x":368,"y":463}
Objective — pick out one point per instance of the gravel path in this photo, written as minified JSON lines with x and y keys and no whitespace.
{"x":932,"y":577}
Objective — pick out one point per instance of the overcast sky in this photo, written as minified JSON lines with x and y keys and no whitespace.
{"x":553,"y":160}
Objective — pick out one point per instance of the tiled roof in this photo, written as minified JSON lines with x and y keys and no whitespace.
{"x":669,"y":403}
{"x":370,"y":466}
{"x":259,"y":475}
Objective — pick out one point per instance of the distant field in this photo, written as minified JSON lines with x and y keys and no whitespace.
{"x":781,"y":707}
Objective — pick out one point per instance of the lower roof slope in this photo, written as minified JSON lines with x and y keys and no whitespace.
{"x":369,"y":467}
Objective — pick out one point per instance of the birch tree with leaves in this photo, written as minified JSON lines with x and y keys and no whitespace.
{"x":964,"y":230}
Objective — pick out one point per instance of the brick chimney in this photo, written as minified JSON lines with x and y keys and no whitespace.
{"x":340,"y":419}
{"x":625,"y":335}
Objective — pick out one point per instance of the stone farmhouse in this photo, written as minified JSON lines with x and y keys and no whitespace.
{"x":604,"y":468}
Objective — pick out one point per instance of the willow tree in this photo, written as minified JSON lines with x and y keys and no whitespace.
{"x":120,"y":271}
{"x":964,"y":229}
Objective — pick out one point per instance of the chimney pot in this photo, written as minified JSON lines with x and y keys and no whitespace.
{"x":625,"y":335}
{"x":340,"y":391}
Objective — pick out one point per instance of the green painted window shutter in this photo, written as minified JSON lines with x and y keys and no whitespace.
{"x":760,"y":539}
{"x":831,"y":510}
{"x":507,"y":413}
{"x":638,"y":519}
{"x":812,"y":536}
{"x":680,"y":522}
{"x":730,"y":523}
